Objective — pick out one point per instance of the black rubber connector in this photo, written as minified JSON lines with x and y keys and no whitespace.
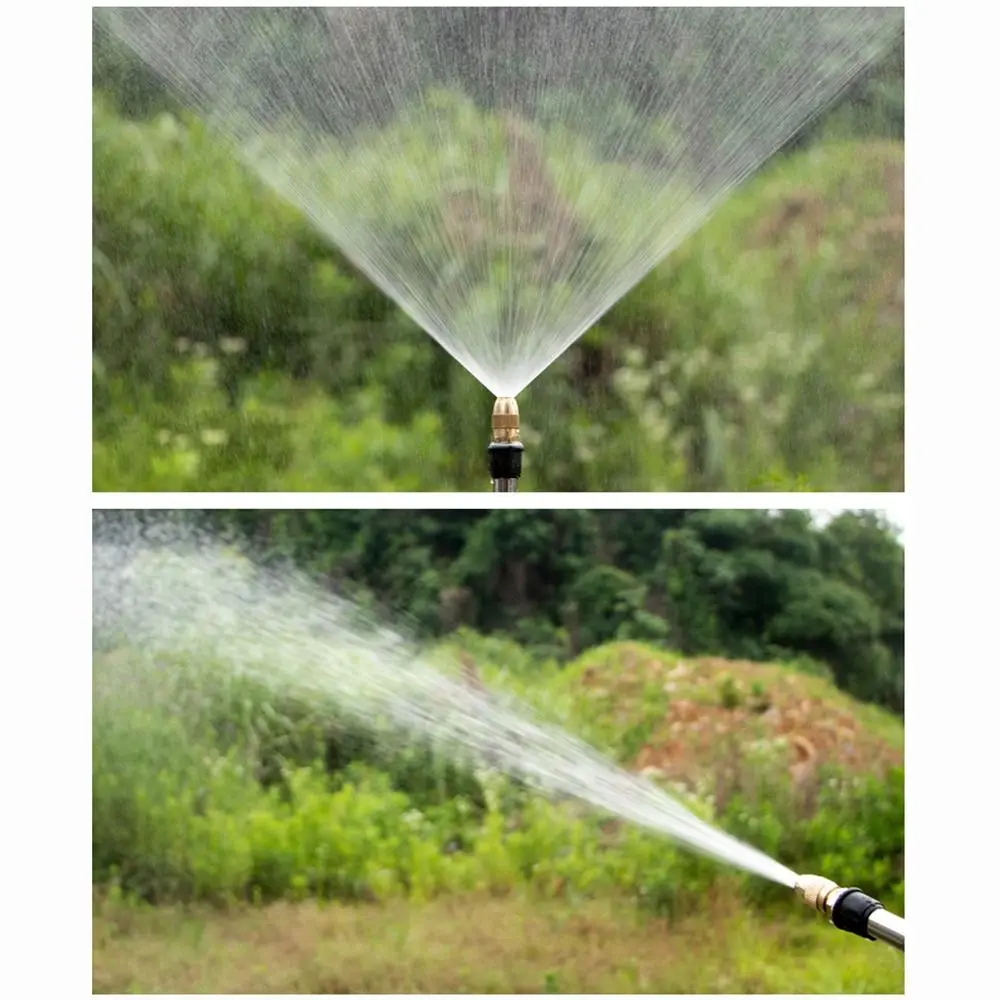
{"x":505,"y":459}
{"x":852,"y":910}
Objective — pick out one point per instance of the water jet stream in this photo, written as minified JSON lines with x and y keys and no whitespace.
{"x":165,"y":590}
{"x":506,"y":174}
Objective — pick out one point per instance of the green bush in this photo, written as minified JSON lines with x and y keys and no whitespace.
{"x":857,"y":831}
{"x":279,"y":437}
{"x":730,"y":695}
{"x":852,"y":832}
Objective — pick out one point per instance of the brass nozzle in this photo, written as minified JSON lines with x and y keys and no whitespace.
{"x":506,"y":420}
{"x":817,"y":892}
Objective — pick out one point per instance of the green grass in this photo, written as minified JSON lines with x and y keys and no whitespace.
{"x":398,"y":875}
{"x":478,"y":944}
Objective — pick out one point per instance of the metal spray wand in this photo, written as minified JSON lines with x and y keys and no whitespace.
{"x":851,"y":910}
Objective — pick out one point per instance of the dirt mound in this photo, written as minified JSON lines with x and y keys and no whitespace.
{"x":703,"y":714}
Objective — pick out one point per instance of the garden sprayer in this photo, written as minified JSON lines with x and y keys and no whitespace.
{"x":851,"y":910}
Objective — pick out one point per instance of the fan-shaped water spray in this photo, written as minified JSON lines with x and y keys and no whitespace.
{"x":169,"y":593}
{"x":506,"y":174}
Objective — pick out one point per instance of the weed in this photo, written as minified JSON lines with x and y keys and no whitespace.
{"x":730,"y":695}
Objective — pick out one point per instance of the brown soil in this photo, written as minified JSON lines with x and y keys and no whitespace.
{"x":698,"y":731}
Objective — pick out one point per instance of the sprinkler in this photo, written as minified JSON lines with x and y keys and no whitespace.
{"x":851,"y":910}
{"x":505,"y":448}
{"x":501,"y":260}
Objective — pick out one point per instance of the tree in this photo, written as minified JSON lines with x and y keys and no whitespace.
{"x":751,"y":584}
{"x":607,"y":603}
{"x":832,"y":621}
{"x":515,"y":561}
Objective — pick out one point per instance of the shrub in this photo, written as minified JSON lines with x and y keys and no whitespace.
{"x":730,"y":695}
{"x":278,"y":437}
{"x":209,"y":787}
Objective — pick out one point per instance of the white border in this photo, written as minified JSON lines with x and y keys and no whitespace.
{"x":951,"y":513}
{"x":487,"y":501}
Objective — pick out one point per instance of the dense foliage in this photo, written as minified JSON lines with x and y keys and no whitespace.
{"x":740,"y":583}
{"x":211,"y":788}
{"x":234,"y":349}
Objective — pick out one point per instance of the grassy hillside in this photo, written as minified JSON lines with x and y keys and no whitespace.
{"x":398,"y":875}
{"x":234,"y":349}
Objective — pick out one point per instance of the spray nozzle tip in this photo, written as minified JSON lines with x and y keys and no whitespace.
{"x":506,"y":419}
{"x":815,"y":891}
